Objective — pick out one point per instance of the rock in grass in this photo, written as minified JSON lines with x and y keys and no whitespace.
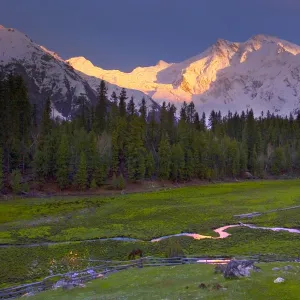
{"x":238,"y":268}
{"x":279,"y":280}
{"x":276,"y":269}
{"x":287,"y":268}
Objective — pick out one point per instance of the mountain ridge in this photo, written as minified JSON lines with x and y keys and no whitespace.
{"x":260,"y":73}
{"x":48,"y":75}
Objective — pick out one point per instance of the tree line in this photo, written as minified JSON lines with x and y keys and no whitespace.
{"x":121,"y":141}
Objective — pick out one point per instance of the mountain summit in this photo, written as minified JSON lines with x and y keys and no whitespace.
{"x":48,"y":75}
{"x":262,"y":73}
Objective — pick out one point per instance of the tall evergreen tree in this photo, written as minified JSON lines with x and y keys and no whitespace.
{"x":131,"y":110}
{"x":135,"y":150}
{"x":62,"y":162}
{"x":101,"y":108}
{"x":177,"y":162}
{"x":143,"y":110}
{"x":81,"y":175}
{"x":164,"y":154}
{"x":149,"y":165}
{"x":46,"y":123}
{"x":1,"y":170}
{"x":122,"y":103}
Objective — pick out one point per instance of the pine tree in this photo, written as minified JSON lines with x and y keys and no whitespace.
{"x":100,"y":173}
{"x":177,"y":162}
{"x":46,"y":123}
{"x":277,"y":161}
{"x":83,"y":109}
{"x":122,"y":103}
{"x":149,"y":165}
{"x":164,"y":153}
{"x":21,"y":117}
{"x":81,"y":175}
{"x":114,"y":112}
{"x":131,"y":111}
{"x":188,"y":165}
{"x":143,"y":110}
{"x":62,"y":162}
{"x":203,"y":122}
{"x":16,"y":181}
{"x":254,"y":162}
{"x":135,"y":150}
{"x":1,"y":170}
{"x":101,"y":108}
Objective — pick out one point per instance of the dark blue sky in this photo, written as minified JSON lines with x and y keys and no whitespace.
{"x":124,"y":34}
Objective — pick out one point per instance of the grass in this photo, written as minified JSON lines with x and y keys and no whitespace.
{"x":145,"y":216}
{"x":182,"y":282}
{"x":148,"y":215}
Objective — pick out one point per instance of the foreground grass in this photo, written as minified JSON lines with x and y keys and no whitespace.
{"x":144,"y":216}
{"x":182,"y":282}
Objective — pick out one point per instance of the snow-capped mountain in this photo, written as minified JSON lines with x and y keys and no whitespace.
{"x":47,"y":74}
{"x":262,"y":73}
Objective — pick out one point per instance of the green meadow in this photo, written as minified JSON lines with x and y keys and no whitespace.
{"x":65,"y":225}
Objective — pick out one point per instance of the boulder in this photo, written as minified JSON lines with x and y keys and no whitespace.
{"x":279,"y":280}
{"x":287,"y":268}
{"x":239,"y":268}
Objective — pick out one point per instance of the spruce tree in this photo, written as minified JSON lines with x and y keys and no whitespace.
{"x":114,"y":112}
{"x":16,"y":181}
{"x":1,"y":170}
{"x":188,"y":165}
{"x":81,"y":175}
{"x":46,"y":123}
{"x":277,"y":161}
{"x":83,"y":109}
{"x":143,"y":110}
{"x":149,"y":165}
{"x":164,"y":154}
{"x":122,"y":103}
{"x":135,"y":150}
{"x":101,"y":108}
{"x":177,"y":162}
{"x":100,"y":173}
{"x":62,"y":162}
{"x":131,"y":111}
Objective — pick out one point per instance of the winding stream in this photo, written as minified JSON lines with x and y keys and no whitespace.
{"x":222,"y":232}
